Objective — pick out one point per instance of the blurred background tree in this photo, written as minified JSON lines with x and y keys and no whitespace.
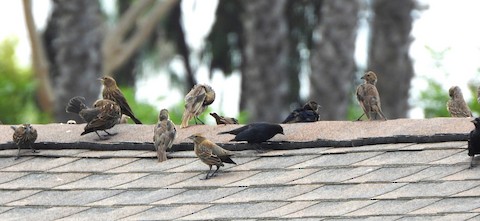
{"x":278,"y":47}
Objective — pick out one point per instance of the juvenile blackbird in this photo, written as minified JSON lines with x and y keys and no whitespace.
{"x":308,"y":113}
{"x":196,"y":101}
{"x":76,"y":105}
{"x":456,"y":106}
{"x":112,"y":92}
{"x":474,"y":140}
{"x":223,"y":120}
{"x":24,"y":136}
{"x":369,"y":98}
{"x":255,"y":132}
{"x":210,"y":153}
{"x":108,"y":116}
{"x":163,"y":135}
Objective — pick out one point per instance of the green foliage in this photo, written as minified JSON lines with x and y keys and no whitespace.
{"x":146,"y":113}
{"x":354,"y":111}
{"x":473,"y":103}
{"x":434,"y":100}
{"x":17,"y":89}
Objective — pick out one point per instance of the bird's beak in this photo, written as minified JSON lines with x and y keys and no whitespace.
{"x":100,"y":79}
{"x":363,"y":77}
{"x":282,"y":133}
{"x":474,"y":121}
{"x":191,"y":137}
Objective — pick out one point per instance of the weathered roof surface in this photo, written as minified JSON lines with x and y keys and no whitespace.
{"x":385,"y":181}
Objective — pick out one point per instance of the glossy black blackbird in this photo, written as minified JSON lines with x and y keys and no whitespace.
{"x":308,"y":113}
{"x":474,"y":140}
{"x":255,"y":132}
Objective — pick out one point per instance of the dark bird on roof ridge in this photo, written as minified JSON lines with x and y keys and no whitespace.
{"x":210,"y":153}
{"x":196,"y":101}
{"x":223,"y":120}
{"x":163,"y":135}
{"x":308,"y":113}
{"x":24,"y":136}
{"x":456,"y":105}
{"x":474,"y":141}
{"x":108,"y":116}
{"x":368,"y":97}
{"x":112,"y":92}
{"x":255,"y":132}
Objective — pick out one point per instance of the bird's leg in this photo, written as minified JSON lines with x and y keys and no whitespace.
{"x":18,"y":153}
{"x":196,"y":118}
{"x":214,"y":172}
{"x":206,"y":177}
{"x":33,"y":150}
{"x":110,"y":134}
{"x":383,"y":115}
{"x":471,"y":162}
{"x":360,"y":117}
{"x":101,"y":138}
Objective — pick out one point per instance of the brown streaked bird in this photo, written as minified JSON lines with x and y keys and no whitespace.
{"x":223,"y":120}
{"x":76,"y":105}
{"x":196,"y":101}
{"x":210,"y":153}
{"x":369,"y":98}
{"x":456,"y":106}
{"x":163,"y":135}
{"x":308,"y":113}
{"x":24,"y":136}
{"x":108,"y":116}
{"x":112,"y":92}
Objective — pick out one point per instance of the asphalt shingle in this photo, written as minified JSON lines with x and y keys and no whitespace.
{"x":76,"y":178}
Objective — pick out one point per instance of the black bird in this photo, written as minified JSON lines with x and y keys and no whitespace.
{"x":307,"y":113}
{"x":24,"y":136}
{"x":474,"y":140}
{"x":255,"y":132}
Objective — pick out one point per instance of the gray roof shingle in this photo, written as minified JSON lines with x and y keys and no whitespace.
{"x":418,"y":178}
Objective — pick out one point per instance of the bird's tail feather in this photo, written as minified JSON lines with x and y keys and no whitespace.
{"x":185,"y":118}
{"x":137,"y":121}
{"x":75,"y":105}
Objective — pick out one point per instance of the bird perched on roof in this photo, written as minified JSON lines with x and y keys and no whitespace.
{"x":163,"y":135}
{"x":210,"y":153}
{"x":109,"y":114}
{"x":196,"y":101}
{"x":223,"y":120}
{"x":255,"y":132}
{"x":369,"y":98}
{"x":308,"y":113}
{"x":24,"y":136}
{"x":112,"y":92}
{"x":474,"y":140}
{"x":456,"y":106}
{"x":76,"y":105}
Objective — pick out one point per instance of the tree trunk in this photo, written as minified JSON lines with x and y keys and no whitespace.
{"x":388,"y":54}
{"x":264,"y":72}
{"x":75,"y":36}
{"x":332,"y":59}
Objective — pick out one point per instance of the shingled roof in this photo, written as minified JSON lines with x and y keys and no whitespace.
{"x":385,"y":170}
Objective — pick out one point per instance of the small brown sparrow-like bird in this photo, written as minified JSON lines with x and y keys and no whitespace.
{"x":24,"y":136}
{"x":369,"y":98}
{"x":112,"y":92}
{"x":223,"y":120}
{"x":163,"y":135}
{"x":210,"y":153}
{"x":196,"y":101}
{"x":456,"y":106}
